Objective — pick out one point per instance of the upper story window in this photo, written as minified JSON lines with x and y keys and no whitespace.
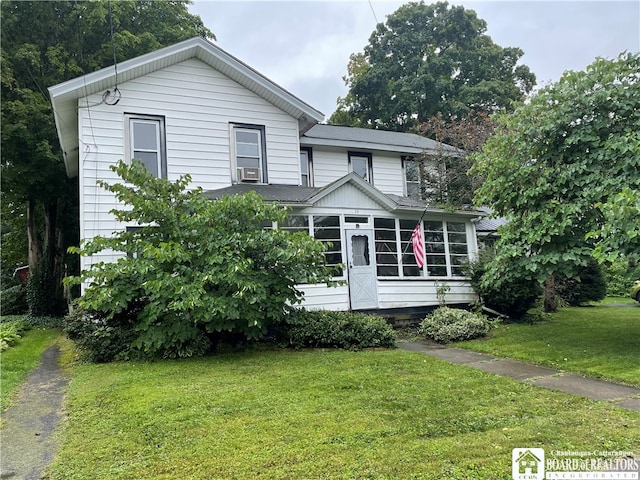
{"x":250,"y":153}
{"x":306,"y":168}
{"x":146,"y":142}
{"x":361,"y":164}
{"x":411,"y":178}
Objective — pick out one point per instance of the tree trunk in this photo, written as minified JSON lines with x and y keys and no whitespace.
{"x":550,"y":299}
{"x":35,"y":244}
{"x":50,"y":244}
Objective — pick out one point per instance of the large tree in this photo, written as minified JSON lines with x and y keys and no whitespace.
{"x":445,"y":179}
{"x":427,"y":59}
{"x":563,"y":165}
{"x":45,"y":43}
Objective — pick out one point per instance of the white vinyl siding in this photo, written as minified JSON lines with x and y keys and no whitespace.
{"x":198,"y":104}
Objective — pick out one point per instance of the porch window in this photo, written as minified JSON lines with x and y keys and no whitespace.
{"x":327,"y":230}
{"x":146,"y":142}
{"x":409,"y":266}
{"x":386,"y":247}
{"x":458,"y":247}
{"x":296,"y":223}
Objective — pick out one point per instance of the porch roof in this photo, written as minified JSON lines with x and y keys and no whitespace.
{"x":299,"y":196}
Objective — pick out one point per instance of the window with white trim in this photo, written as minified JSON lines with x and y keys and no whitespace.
{"x":146,"y":142}
{"x":306,"y":167}
{"x":362,"y":165}
{"x":412,"y":175}
{"x":446,"y":248}
{"x":250,"y":153}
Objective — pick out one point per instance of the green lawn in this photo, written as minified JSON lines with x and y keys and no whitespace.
{"x":599,"y":341}
{"x":318,"y":414}
{"x":20,"y":359}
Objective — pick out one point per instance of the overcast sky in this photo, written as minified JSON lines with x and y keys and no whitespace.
{"x":304,"y":46}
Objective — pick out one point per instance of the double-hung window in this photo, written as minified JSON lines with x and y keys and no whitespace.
{"x":412,"y":178}
{"x":146,"y":142}
{"x":361,"y":164}
{"x":250,"y":152}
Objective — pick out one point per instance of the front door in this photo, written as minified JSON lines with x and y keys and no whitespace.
{"x":362,"y":269}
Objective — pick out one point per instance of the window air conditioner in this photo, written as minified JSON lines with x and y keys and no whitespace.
{"x":246,"y":174}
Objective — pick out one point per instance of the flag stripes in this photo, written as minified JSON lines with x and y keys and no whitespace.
{"x":418,"y":245}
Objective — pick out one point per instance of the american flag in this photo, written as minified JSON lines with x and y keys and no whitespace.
{"x":418,"y":245}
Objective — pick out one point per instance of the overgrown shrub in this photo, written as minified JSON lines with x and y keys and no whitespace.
{"x":512,"y":296}
{"x":13,"y":300}
{"x":324,"y":328}
{"x":195,"y":267}
{"x":10,"y":333}
{"x":589,"y":286}
{"x":445,"y":325}
{"x":100,"y":339}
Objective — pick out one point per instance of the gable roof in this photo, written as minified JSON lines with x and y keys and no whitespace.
{"x":297,"y":196}
{"x":64,"y":96}
{"x":370,"y":139}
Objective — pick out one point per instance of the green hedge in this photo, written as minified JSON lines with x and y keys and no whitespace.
{"x":323,"y":328}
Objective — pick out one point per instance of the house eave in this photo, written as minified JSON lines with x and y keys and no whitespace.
{"x":64,"y":96}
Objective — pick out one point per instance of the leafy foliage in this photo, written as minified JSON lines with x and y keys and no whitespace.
{"x":13,"y":300}
{"x":101,"y":339}
{"x":195,"y":268}
{"x":575,"y":145}
{"x":10,"y":333}
{"x":447,"y":180}
{"x":427,"y":59}
{"x":588,"y":286}
{"x":620,"y":275}
{"x":45,"y":43}
{"x":324,"y":328}
{"x":513,"y":296}
{"x":445,"y":325}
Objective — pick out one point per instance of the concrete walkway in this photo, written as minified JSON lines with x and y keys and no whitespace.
{"x":27,"y":444}
{"x":620,"y":395}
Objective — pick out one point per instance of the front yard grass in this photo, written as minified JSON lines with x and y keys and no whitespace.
{"x":600,"y":341}
{"x":284,"y":414}
{"x":18,"y":361}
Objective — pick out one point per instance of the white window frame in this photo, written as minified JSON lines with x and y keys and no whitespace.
{"x":369,"y":157}
{"x":159,"y":123}
{"x":309,"y":164}
{"x":262,"y":155}
{"x":406,"y":182}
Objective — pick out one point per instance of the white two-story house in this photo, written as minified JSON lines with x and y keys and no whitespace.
{"x":193,"y":108}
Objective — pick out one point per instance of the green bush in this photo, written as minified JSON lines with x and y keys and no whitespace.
{"x":195,"y":267}
{"x":10,"y":333}
{"x":445,"y":325}
{"x":100,"y":339}
{"x":619,"y":276}
{"x":13,"y":300}
{"x":324,"y":328}
{"x":589,"y":286}
{"x":512,"y":296}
